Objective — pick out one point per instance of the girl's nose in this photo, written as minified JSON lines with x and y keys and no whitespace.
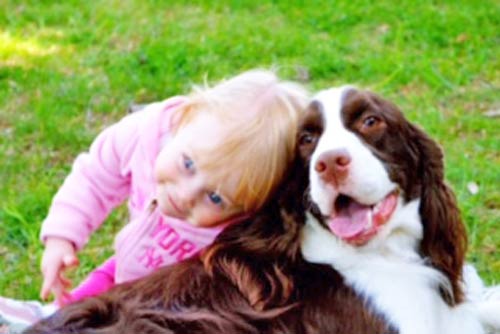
{"x":188,"y":193}
{"x":185,"y":200}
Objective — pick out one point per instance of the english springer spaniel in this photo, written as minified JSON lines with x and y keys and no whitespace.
{"x":384,"y":218}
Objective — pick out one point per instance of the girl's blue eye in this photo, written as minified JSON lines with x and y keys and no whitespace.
{"x":214,"y":198}
{"x":188,"y":163}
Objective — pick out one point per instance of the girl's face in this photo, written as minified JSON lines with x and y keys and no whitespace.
{"x":184,"y":189}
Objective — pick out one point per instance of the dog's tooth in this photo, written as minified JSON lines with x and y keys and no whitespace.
{"x":370,"y":217}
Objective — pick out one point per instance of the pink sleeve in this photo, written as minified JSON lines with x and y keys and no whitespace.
{"x":97,"y":282}
{"x":98,"y":182}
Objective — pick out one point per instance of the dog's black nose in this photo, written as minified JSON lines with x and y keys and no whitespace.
{"x":333,"y":166}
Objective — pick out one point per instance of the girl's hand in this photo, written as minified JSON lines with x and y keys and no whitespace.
{"x":59,"y":255}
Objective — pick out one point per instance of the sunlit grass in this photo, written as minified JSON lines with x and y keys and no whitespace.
{"x":17,"y":52}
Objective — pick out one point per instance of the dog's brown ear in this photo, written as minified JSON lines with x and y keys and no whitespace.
{"x":265,"y":286}
{"x":445,"y":239}
{"x":256,"y":255}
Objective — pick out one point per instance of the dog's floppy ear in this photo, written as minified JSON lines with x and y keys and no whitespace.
{"x":244,"y":255}
{"x":256,"y":255}
{"x":445,"y":239}
{"x":265,"y":287}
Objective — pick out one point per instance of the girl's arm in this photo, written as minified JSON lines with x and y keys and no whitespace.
{"x":98,"y":182}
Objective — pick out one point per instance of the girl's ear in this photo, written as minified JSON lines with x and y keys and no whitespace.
{"x":175,"y":119}
{"x":179,"y":113}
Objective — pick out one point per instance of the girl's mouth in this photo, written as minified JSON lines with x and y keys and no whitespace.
{"x":175,"y":206}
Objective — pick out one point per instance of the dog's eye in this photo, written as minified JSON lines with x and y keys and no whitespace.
{"x":370,"y":121}
{"x":306,"y":138}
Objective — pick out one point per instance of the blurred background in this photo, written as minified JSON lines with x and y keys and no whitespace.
{"x":70,"y":68}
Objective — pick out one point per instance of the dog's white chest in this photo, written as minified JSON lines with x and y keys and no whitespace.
{"x":404,"y":293}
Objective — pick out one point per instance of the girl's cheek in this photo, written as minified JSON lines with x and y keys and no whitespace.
{"x":206,"y":219}
{"x":157,"y":168}
{"x":159,"y":172}
{"x":163,"y":168}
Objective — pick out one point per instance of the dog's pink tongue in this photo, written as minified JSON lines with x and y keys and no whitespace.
{"x":351,"y":221}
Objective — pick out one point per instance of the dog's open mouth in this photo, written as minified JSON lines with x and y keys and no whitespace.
{"x":357,"y":223}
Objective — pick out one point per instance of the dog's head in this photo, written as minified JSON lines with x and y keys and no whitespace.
{"x":376,"y":180}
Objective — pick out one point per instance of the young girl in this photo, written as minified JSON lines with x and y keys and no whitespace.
{"x":189,"y":166}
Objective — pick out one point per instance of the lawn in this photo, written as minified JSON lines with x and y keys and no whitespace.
{"x":69,"y":68}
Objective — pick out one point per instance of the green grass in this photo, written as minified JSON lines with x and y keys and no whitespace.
{"x":69,"y":68}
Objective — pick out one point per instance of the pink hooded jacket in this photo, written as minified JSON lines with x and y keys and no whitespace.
{"x":119,"y":166}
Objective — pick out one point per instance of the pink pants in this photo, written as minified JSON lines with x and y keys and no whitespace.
{"x":98,"y":281}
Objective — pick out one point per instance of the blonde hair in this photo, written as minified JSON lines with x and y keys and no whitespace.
{"x":262,"y":114}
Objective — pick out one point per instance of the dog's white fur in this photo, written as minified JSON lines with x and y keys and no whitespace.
{"x":388,"y":271}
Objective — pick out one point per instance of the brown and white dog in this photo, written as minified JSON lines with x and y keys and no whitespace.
{"x":383,"y":216}
{"x":376,"y":211}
